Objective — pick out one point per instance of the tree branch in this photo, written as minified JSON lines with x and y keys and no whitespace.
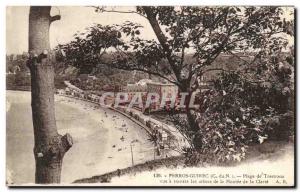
{"x":128,"y":68}
{"x":162,"y":40}
{"x":114,"y":11}
{"x":153,"y":73}
{"x":55,"y":18}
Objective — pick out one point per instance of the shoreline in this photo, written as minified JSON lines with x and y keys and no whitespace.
{"x":96,"y":132}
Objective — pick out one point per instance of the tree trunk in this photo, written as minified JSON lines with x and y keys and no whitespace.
{"x":184,"y":84}
{"x":192,"y":122}
{"x":162,"y":40}
{"x":49,"y":146}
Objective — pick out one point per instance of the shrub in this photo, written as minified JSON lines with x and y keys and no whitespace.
{"x":242,"y":109}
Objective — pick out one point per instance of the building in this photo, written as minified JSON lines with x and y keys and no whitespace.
{"x":162,"y":89}
{"x":146,"y":86}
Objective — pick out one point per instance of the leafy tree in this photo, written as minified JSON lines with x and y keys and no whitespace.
{"x":204,"y":32}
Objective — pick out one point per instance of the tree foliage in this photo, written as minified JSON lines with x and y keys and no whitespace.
{"x":245,"y":108}
{"x":205,"y":32}
{"x":243,"y":104}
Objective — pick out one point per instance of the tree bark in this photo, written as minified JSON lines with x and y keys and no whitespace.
{"x":183,"y":83}
{"x":191,"y":119}
{"x":49,"y":146}
{"x":162,"y":40}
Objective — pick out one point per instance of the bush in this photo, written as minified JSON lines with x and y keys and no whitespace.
{"x":242,"y":108}
{"x":10,"y":81}
{"x":239,"y":112}
{"x":22,"y":79}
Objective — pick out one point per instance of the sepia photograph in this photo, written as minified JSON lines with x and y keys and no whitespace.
{"x":150,"y":96}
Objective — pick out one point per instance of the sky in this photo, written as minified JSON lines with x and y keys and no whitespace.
{"x":73,"y":19}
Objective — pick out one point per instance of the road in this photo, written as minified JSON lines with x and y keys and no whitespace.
{"x":98,"y":135}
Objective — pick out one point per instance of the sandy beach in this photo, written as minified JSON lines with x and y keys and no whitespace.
{"x":101,"y":137}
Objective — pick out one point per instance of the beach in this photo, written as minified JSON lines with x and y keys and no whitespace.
{"x":102,"y":139}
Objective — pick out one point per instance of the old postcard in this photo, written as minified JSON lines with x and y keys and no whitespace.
{"x":150,"y":96}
